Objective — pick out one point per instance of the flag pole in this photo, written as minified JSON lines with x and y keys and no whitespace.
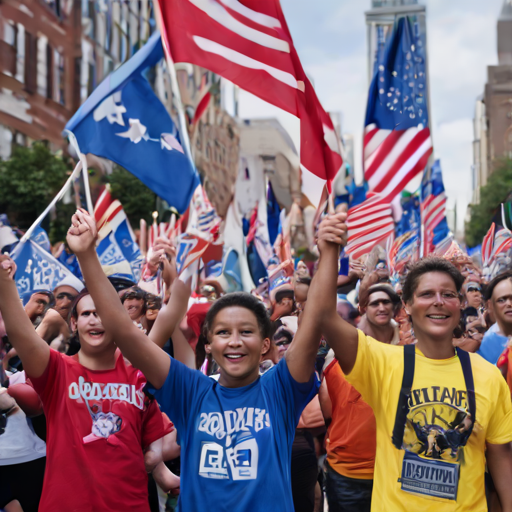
{"x":85,"y":174}
{"x":174,"y":81}
{"x":62,"y":191}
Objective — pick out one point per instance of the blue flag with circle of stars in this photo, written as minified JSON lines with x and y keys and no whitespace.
{"x":123,"y":120}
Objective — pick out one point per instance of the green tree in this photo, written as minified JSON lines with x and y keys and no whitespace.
{"x":138,"y":201}
{"x":29,"y":180}
{"x":495,"y":192}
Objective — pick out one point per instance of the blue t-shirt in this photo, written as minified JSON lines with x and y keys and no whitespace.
{"x":492,"y":346}
{"x":235,"y":442}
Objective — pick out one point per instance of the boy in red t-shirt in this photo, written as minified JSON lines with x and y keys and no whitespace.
{"x":99,"y":419}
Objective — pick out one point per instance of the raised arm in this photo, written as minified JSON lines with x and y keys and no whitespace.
{"x":340,"y":335}
{"x":300,"y":357}
{"x":134,"y":344}
{"x":32,"y":349}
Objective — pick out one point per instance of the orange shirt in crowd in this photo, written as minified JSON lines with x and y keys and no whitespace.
{"x":351,"y":437}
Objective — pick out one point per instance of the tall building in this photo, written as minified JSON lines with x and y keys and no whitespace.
{"x":493,"y":110}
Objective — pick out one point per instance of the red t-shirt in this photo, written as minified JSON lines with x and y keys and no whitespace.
{"x":98,"y":423}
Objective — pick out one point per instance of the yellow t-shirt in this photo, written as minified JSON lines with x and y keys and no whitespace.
{"x":438,"y":408}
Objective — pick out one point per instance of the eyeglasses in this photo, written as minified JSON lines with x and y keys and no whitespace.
{"x":64,"y":295}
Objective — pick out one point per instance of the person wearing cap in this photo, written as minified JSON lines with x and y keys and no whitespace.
{"x":442,"y":414}
{"x":64,"y":293}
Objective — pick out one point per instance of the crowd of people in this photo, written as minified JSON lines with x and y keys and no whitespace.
{"x":322,"y":391}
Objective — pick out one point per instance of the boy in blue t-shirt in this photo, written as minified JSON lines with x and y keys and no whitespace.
{"x":236,"y":434}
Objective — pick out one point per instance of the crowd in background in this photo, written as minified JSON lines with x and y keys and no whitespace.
{"x":334,"y":443}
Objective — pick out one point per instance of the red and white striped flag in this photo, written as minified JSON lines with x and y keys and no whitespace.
{"x":369,"y":223}
{"x":106,"y":208}
{"x":249,"y":44}
{"x":487,"y":246}
{"x":433,"y":210}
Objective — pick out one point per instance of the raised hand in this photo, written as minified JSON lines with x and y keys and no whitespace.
{"x":7,"y":267}
{"x":83,"y":233}
{"x":332,"y":231}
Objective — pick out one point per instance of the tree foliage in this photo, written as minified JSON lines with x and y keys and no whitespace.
{"x":138,"y":201}
{"x":495,"y":192}
{"x":29,"y":180}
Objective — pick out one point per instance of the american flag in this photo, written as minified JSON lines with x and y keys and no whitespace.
{"x":248,"y":42}
{"x":433,"y":206}
{"x":397,"y":142}
{"x":368,"y":223}
{"x":106,"y":208}
{"x":487,"y":245}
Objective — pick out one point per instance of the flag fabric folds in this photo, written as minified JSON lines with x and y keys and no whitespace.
{"x":39,"y":270}
{"x":368,"y":224}
{"x":433,"y":208}
{"x":249,"y":44}
{"x":117,"y":249}
{"x":124,"y":121}
{"x":397,"y":142}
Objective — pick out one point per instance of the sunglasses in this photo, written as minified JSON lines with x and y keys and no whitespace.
{"x":473,"y":289}
{"x":65,"y":295}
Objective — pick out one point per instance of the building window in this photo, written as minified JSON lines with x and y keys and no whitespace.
{"x":59,"y":77}
{"x":30,"y":63}
{"x":20,"y":53}
{"x":42,"y":66}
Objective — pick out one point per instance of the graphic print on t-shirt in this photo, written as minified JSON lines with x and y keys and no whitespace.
{"x":99,"y":399}
{"x":436,"y":431}
{"x":233,"y":450}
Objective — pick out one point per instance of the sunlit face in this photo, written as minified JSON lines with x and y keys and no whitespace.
{"x":302,"y":270}
{"x":91,"y":332}
{"x":501,"y":302}
{"x":435,"y":306}
{"x":151,"y":314}
{"x":64,"y":296}
{"x":379,"y":311}
{"x":236,"y":345}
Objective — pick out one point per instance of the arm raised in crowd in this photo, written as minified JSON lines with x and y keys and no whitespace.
{"x":300,"y":357}
{"x":31,"y":348}
{"x":134,"y":344}
{"x":340,"y":335}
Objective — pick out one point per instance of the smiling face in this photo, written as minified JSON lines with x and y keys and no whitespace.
{"x":236,"y":344}
{"x":92,"y":335}
{"x":379,"y":311}
{"x":435,"y":306}
{"x":501,"y":303}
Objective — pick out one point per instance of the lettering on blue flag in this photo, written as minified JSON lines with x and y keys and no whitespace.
{"x":38,"y":269}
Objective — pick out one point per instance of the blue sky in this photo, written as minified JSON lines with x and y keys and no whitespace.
{"x":330,"y":37}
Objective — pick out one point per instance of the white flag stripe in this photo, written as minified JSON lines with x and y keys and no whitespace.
{"x":408,"y":166}
{"x":380,"y":224}
{"x":381,"y":209}
{"x":222,"y":16}
{"x":370,"y":149}
{"x":243,"y":60}
{"x":370,"y":237}
{"x":391,"y":158}
{"x":256,"y":17}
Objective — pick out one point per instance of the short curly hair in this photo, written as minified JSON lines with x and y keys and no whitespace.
{"x":425,"y":266}
{"x":242,"y":300}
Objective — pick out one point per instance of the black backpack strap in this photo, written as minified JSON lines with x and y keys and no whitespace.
{"x":403,"y":399}
{"x":465,"y":361}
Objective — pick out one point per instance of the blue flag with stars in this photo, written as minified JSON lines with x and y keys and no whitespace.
{"x":124,"y":121}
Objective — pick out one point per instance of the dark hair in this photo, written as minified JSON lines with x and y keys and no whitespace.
{"x":387,"y":289}
{"x":425,"y":266}
{"x":283,"y":294}
{"x":136,"y":293}
{"x":153,"y":301}
{"x":73,"y":312}
{"x":73,"y":341}
{"x":489,"y":289}
{"x":242,"y":300}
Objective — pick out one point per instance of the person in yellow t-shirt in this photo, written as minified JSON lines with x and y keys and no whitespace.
{"x":436,"y":433}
